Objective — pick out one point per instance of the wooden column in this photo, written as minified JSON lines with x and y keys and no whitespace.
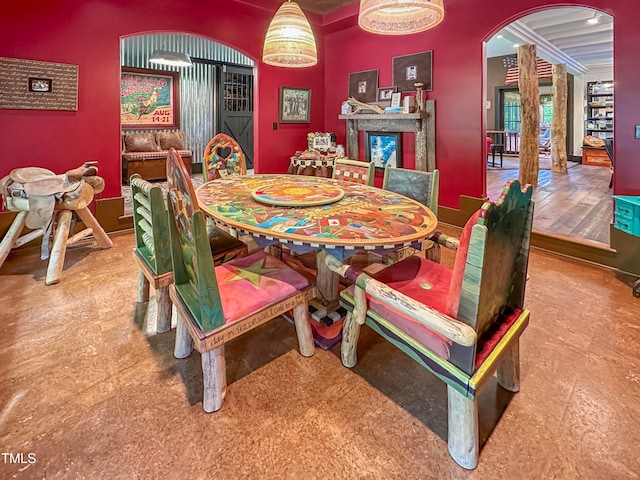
{"x":530,"y":102}
{"x":559,"y":120}
{"x":352,"y":139}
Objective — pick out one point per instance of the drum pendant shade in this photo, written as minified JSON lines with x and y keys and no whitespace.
{"x":289,"y":41}
{"x":400,"y":17}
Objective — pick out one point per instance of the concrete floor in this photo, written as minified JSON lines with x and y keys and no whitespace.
{"x":90,"y":395}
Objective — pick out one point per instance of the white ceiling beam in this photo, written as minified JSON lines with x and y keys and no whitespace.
{"x":545,"y":48}
{"x":575,"y":32}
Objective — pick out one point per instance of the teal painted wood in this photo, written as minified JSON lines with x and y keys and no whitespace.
{"x":151,"y":224}
{"x":193,"y":269}
{"x":420,"y":186}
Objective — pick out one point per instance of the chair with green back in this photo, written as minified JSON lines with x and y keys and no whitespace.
{"x":462,"y":324}
{"x":152,"y":252}
{"x":421,"y":187}
{"x":217,"y":304}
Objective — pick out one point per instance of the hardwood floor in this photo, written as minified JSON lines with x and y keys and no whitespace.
{"x":577,"y":204}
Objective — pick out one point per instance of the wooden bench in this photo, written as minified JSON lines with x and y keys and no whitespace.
{"x":146,"y":154}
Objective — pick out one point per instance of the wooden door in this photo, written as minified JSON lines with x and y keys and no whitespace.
{"x":236,"y":107}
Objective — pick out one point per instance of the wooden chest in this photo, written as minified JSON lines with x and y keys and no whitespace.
{"x":595,"y":156}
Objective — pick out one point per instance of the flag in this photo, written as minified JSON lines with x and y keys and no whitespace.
{"x":511,"y":64}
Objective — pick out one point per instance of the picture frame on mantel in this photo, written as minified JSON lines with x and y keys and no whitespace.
{"x":363,"y":86}
{"x":411,"y":69}
{"x":383,"y":148}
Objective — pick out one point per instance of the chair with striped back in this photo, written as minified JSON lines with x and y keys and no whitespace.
{"x":421,"y":187}
{"x":222,"y":157}
{"x":462,"y":324}
{"x":152,"y":252}
{"x":353,"y":171}
{"x":217,"y":304}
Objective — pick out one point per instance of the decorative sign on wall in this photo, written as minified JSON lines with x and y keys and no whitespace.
{"x":149,"y":99}
{"x":35,"y":85}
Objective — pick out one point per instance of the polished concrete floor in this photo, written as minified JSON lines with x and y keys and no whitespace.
{"x":89,"y":394}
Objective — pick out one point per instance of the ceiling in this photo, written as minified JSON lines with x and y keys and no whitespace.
{"x":561,"y":35}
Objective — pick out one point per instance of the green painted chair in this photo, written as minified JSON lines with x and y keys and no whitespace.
{"x":419,"y":186}
{"x":152,"y":252}
{"x":353,"y":171}
{"x":462,"y":324}
{"x":217,"y":304}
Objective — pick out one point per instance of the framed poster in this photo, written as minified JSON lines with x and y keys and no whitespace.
{"x":295,"y":105}
{"x":383,"y":148}
{"x":411,"y":69}
{"x":149,"y":99}
{"x":363,"y":86}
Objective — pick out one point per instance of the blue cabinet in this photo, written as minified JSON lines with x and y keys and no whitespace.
{"x":627,"y":214}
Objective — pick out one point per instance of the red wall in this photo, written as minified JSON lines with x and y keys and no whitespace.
{"x":458,"y":85}
{"x":87,"y":33}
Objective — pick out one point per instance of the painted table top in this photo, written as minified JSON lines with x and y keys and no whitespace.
{"x":365,"y":218}
{"x":297,"y":194}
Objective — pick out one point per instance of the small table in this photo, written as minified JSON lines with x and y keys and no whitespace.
{"x":364,"y":218}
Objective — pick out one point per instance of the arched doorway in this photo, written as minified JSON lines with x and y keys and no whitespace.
{"x":576,"y":205}
{"x":216,"y":93}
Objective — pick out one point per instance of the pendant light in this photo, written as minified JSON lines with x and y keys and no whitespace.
{"x":289,"y":41}
{"x":174,"y":59}
{"x":400,"y":17}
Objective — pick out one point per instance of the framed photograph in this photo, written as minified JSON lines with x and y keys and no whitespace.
{"x":411,"y":69}
{"x":363,"y":86}
{"x":40,"y":84}
{"x":383,"y":148}
{"x":149,"y":99}
{"x":295,"y":105}
{"x":385,"y":94}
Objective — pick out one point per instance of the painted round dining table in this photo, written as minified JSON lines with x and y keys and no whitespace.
{"x":351,"y":218}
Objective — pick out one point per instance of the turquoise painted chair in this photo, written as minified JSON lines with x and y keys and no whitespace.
{"x":462,"y":324}
{"x":217,"y":304}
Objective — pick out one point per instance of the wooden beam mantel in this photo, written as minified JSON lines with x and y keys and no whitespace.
{"x":422,"y":124}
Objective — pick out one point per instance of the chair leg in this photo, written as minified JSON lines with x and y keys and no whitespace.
{"x":509,"y":369}
{"x":433,"y":253}
{"x":463,"y":441}
{"x":349,"y":346}
{"x":163,"y":317}
{"x":214,"y":376}
{"x":184,"y":342}
{"x":143,"y":287}
{"x":303,"y":329}
{"x":500,"y":158}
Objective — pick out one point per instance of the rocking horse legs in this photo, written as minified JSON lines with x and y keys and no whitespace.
{"x":464,"y":443}
{"x":12,"y":234}
{"x":60,"y":237}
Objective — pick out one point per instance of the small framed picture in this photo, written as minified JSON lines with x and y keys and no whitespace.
{"x":40,"y":85}
{"x":295,"y":105}
{"x":383,"y":148}
{"x":363,"y":86}
{"x":395,"y":99}
{"x":411,"y":69}
{"x":321,"y":142}
{"x":385,"y":93}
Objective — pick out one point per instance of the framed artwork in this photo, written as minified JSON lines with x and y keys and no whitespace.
{"x":363,"y":86}
{"x":411,"y":69}
{"x":385,"y":94}
{"x":149,"y":99}
{"x":36,"y":85}
{"x":295,"y":105}
{"x":383,"y":148}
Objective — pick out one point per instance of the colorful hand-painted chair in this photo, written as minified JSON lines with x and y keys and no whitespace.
{"x":462,"y":324}
{"x":222,"y":157}
{"x":217,"y":304}
{"x":152,"y":252}
{"x":353,"y":171}
{"x":421,"y":187}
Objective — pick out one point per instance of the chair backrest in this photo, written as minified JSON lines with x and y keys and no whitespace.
{"x":497,"y":137}
{"x":222,"y":157}
{"x":193,"y":270}
{"x":490,"y":267}
{"x":353,"y":171}
{"x":417,"y":185}
{"x":151,"y":224}
{"x":608,"y":146}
